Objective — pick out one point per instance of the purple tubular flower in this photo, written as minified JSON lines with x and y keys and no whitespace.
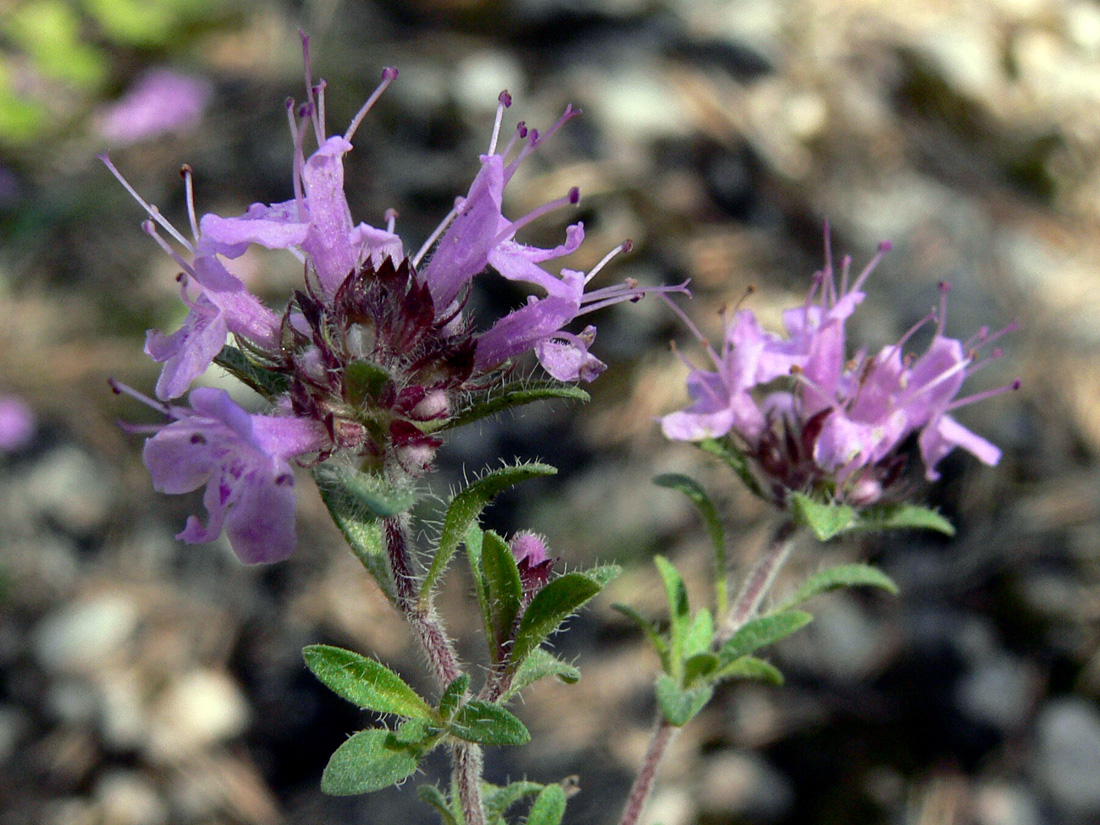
{"x":836,"y":427}
{"x":372,"y":353}
{"x":222,"y":304}
{"x":242,"y":459}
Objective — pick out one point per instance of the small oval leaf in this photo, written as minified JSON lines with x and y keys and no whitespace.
{"x":365,"y":682}
{"x":488,"y":724}
{"x":549,"y":807}
{"x":369,"y":761}
{"x":825,"y":520}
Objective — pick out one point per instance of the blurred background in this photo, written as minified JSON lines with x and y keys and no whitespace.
{"x":146,"y":682}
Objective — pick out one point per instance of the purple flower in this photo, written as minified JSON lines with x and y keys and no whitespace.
{"x":221,"y":303}
{"x":158,"y":102}
{"x":533,"y":561}
{"x":834,"y":426}
{"x":378,"y":349}
{"x":17,"y":424}
{"x":242,"y":460}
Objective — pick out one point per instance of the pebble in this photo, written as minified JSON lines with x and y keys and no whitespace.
{"x":1068,"y":732}
{"x":126,"y":797}
{"x":200,"y":709}
{"x":741,"y":784}
{"x":69,"y":487}
{"x":999,"y":692}
{"x":1005,"y":804}
{"x":79,"y":636}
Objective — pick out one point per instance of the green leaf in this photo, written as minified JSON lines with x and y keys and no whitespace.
{"x":656,"y":639}
{"x":452,"y":695}
{"x":700,"y":634}
{"x":845,"y":575}
{"x":549,"y":807}
{"x":488,"y":724}
{"x":365,"y":382}
{"x":539,"y":664}
{"x":434,"y":797}
{"x":761,"y":631}
{"x":268,"y":383}
{"x":365,"y":682}
{"x":467,"y":505}
{"x":514,"y":397}
{"x":474,"y":540}
{"x":369,"y":495}
{"x":369,"y":761}
{"x":699,"y":666}
{"x":680,"y":706}
{"x":497,"y":800}
{"x":414,"y":732}
{"x":679,"y":612}
{"x":694,"y":491}
{"x":736,"y":461}
{"x":825,"y":520}
{"x":505,"y":591}
{"x":553,"y":605}
{"x":363,"y":531}
{"x":748,"y":667}
{"x":898,"y":516}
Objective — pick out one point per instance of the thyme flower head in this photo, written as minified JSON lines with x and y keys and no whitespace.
{"x":377,"y":350}
{"x":808,"y":418}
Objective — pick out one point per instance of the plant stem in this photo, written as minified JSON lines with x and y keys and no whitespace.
{"x":759,"y":581}
{"x":755,"y":588}
{"x":663,"y":735}
{"x":466,"y":762}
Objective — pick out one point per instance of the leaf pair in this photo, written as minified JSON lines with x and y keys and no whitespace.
{"x":691,"y":663}
{"x":374,"y":759}
{"x":547,"y":809}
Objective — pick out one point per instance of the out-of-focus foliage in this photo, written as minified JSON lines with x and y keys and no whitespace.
{"x":58,"y":58}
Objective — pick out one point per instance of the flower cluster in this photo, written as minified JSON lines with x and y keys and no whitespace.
{"x":375,"y":352}
{"x":810,"y":419}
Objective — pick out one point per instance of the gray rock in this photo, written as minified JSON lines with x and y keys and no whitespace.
{"x":1068,"y":732}
{"x":128,"y":798}
{"x":1006,"y":804}
{"x":741,"y":784}
{"x":80,"y":636}
{"x":72,"y":489}
{"x":999,"y":691}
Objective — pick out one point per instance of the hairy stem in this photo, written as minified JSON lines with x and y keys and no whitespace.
{"x":759,"y":581}
{"x":466,"y":759}
{"x":755,"y":588}
{"x":663,"y":735}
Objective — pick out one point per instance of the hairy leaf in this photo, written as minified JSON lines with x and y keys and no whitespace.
{"x":362,"y":531}
{"x":539,"y":664}
{"x":824,"y":520}
{"x":761,"y":631}
{"x":504,"y":588}
{"x":845,"y":575}
{"x":369,"y":761}
{"x":680,"y":706}
{"x":549,"y":807}
{"x":467,"y":505}
{"x":515,"y":397}
{"x":553,"y":605}
{"x":897,"y":516}
{"x":748,"y":667}
{"x":488,"y":724}
{"x":365,"y":682}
